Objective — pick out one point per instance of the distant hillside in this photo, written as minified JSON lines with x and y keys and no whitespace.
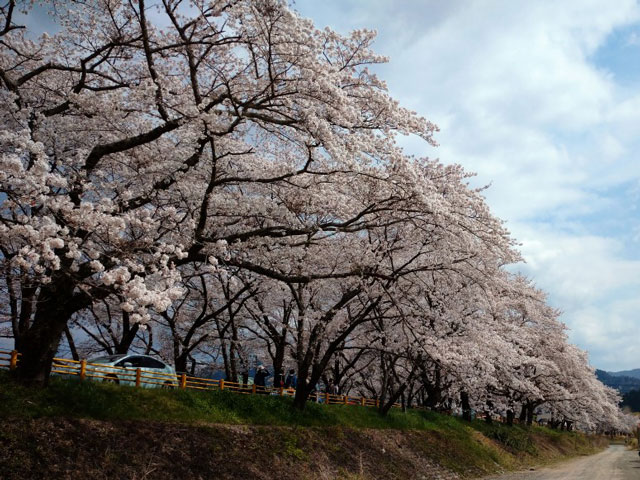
{"x":622,"y":383}
{"x":635,"y":373}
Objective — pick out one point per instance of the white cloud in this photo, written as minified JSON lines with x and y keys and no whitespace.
{"x":609,"y":334}
{"x":580,"y":268}
{"x":518,"y":99}
{"x":596,"y":286}
{"x":633,"y":40}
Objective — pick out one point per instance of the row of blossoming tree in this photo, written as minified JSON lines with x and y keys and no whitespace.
{"x":225,"y":175}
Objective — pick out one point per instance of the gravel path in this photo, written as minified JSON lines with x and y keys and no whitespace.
{"x":615,"y":463}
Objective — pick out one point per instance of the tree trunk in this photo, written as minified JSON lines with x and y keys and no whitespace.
{"x":384,"y":384}
{"x":386,"y":406}
{"x":233,"y":352}
{"x":523,"y":413}
{"x":278,"y":359}
{"x":150,"y":340}
{"x":40,"y":343}
{"x":128,"y":334}
{"x":304,"y":389}
{"x":530,"y":408}
{"x":313,"y":375}
{"x":433,"y":389}
{"x":72,"y":344}
{"x":511,"y":415}
{"x":466,"y":407}
{"x":411,"y":395}
{"x":181,"y":362}
{"x":423,"y":397}
{"x":24,"y":319}
{"x":488,"y":412}
{"x":225,"y":359}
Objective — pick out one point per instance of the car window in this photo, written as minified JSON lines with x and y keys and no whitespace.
{"x":148,"y":362}
{"x":134,"y":361}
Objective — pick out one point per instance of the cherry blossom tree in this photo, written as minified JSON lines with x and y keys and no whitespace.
{"x":231,"y":172}
{"x":130,"y":148}
{"x":206,"y":313}
{"x":107,"y":329}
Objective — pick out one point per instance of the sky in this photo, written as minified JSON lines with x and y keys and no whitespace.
{"x":542,"y":100}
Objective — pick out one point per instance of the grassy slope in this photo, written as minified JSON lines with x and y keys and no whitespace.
{"x":221,"y":433}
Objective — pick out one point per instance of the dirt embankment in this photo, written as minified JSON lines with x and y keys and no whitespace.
{"x":92,"y":449}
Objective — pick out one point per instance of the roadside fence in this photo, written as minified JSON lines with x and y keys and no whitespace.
{"x":140,"y":377}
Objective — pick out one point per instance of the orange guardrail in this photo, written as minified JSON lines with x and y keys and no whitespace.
{"x":9,"y":359}
{"x":5,"y":357}
{"x":144,"y":378}
{"x":136,"y":376}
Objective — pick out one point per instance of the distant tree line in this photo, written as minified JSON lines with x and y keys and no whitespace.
{"x":631,"y":400}
{"x":621,"y":383}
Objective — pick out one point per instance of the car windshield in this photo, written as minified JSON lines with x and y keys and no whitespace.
{"x":107,"y":359}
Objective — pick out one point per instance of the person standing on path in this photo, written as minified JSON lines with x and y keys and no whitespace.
{"x":291,"y":381}
{"x":260,"y":379}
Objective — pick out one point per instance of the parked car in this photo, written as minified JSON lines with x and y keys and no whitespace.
{"x":121,"y":369}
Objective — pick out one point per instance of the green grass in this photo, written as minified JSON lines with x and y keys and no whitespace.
{"x":86,"y":399}
{"x":470,"y":449}
{"x":516,"y":438}
{"x":74,"y":398}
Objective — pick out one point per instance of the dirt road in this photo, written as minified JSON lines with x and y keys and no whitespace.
{"x":615,"y":463}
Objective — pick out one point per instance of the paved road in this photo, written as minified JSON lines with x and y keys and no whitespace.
{"x":615,"y":463}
